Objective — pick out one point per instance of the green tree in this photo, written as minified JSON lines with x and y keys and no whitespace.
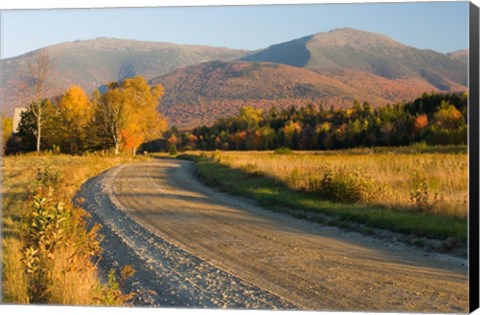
{"x":28,"y":126}
{"x":173,"y":150}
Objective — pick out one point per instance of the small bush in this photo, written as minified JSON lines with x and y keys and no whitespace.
{"x":173,"y":150}
{"x":283,"y":150}
{"x":250,"y":168}
{"x":58,"y":248}
{"x":347,"y":186}
{"x":216,"y":156}
{"x":49,"y":177}
{"x":420,"y":197}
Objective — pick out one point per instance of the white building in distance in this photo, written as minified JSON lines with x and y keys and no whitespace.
{"x":17,"y":117}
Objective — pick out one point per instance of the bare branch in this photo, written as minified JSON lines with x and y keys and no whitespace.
{"x":39,"y":74}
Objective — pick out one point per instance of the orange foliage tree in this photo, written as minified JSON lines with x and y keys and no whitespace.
{"x":421,"y":122}
{"x":128,"y":114}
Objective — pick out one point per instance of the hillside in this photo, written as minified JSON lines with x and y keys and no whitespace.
{"x":201,"y":93}
{"x":92,"y":63}
{"x":345,"y":50}
{"x":335,"y":68}
{"x":460,"y":55}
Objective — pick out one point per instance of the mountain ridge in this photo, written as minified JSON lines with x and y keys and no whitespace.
{"x":199,"y":94}
{"x":93,"y":63}
{"x":334,"y":68}
{"x":347,"y":48}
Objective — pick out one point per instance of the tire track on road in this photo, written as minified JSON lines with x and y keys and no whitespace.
{"x":166,"y":276}
{"x":215,"y":250}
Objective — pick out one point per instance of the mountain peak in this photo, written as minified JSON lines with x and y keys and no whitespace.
{"x":461,"y":55}
{"x":93,"y":62}
{"x":355,"y":38}
{"x":351,"y":49}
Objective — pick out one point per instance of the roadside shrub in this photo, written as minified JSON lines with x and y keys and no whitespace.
{"x":173,"y":150}
{"x":111,"y":294}
{"x":421,"y":197}
{"x":58,"y":253}
{"x":341,"y":184}
{"x":48,"y":177}
{"x":216,"y":156}
{"x":56,"y":261}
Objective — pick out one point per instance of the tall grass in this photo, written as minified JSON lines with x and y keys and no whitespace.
{"x":419,"y":192}
{"x":47,"y":249}
{"x":432,"y":182}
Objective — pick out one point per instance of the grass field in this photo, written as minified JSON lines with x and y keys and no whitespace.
{"x":420,"y":191}
{"x":66,"y":272}
{"x":416,"y":191}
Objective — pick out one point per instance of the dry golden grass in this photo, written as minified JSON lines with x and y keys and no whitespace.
{"x":14,"y":282}
{"x":74,"y":283}
{"x":397,"y":174}
{"x":73,"y":277}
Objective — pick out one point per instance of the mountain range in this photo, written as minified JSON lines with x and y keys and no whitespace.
{"x":204,"y":83}
{"x":93,"y":63}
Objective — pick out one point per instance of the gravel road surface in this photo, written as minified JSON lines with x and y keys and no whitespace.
{"x":193,"y":246}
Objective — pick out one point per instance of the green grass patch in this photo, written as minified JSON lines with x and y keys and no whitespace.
{"x":275,"y":195}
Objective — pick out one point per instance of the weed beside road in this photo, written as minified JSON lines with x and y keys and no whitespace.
{"x":48,"y":251}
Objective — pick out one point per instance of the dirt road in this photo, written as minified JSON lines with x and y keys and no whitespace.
{"x":193,"y":246}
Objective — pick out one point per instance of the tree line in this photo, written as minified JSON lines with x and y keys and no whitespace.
{"x":436,"y":119}
{"x":118,"y":120}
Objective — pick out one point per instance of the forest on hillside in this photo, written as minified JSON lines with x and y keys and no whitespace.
{"x":433,"y":119}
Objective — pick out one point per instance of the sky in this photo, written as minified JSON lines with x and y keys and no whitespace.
{"x":441,"y":26}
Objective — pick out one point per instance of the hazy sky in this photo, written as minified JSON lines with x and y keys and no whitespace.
{"x":441,"y":26}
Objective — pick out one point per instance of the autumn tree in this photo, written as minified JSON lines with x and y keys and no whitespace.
{"x":191,"y":141}
{"x":250,"y":116}
{"x":127,"y":114}
{"x":144,"y":122}
{"x":75,"y":113}
{"x":7,"y":125}
{"x":433,"y":118}
{"x":448,"y":116}
{"x":291,"y":131}
{"x":110,"y":117}
{"x":421,"y":122}
{"x":38,"y":77}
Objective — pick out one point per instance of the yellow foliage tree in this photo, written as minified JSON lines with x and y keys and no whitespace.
{"x":7,"y":125}
{"x":251,"y":116}
{"x":128,"y":114}
{"x":448,"y":116}
{"x":144,"y":121}
{"x":76,"y":112}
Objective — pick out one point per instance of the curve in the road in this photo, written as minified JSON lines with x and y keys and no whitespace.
{"x":196,"y":247}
